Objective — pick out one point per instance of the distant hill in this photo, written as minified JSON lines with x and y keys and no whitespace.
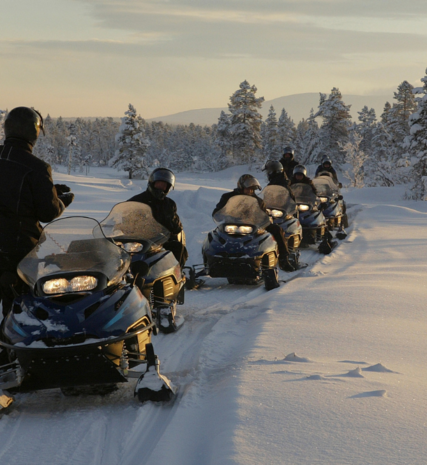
{"x":297,"y":106}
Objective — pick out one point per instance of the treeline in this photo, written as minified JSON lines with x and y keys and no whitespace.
{"x":370,"y":151}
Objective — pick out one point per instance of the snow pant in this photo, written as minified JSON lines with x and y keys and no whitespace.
{"x":279,"y":235}
{"x":179,"y":250}
{"x":10,"y":283}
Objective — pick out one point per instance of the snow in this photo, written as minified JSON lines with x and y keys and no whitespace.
{"x":327,"y":369}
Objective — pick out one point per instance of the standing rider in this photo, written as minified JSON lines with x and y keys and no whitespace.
{"x":246,"y":185}
{"x":27,"y":197}
{"x":160,"y":182}
{"x":288,"y":161}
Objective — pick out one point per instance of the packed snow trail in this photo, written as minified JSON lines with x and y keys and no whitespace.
{"x":329,"y":368}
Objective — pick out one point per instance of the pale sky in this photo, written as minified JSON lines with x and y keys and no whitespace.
{"x":94,"y":57}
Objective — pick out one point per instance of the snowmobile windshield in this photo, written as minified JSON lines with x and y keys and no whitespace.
{"x":242,"y":209}
{"x":134,"y":222}
{"x":278,"y":197}
{"x":304,"y":194}
{"x":74,"y":245}
{"x":325,"y":186}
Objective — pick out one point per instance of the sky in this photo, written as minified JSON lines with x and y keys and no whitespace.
{"x":93,"y":57}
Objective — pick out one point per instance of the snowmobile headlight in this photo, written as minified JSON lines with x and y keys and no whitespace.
{"x":234,"y":229}
{"x":77,"y":284}
{"x":230,"y":229}
{"x":245,"y":229}
{"x":276,"y":213}
{"x":132,"y":247}
{"x":323,"y":199}
{"x":303,"y":208}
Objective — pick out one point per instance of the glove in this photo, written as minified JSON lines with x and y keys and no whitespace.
{"x":66,"y":198}
{"x":61,"y":189}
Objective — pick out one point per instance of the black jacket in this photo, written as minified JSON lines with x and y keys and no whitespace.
{"x":164,"y":211}
{"x":331,"y":170}
{"x":27,"y":197}
{"x":288,"y":166}
{"x":304,"y":180}
{"x":281,"y":180}
{"x":226,"y":197}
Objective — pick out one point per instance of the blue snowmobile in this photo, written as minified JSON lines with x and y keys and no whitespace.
{"x":333,"y":205}
{"x":156,"y":271}
{"x":313,"y":222}
{"x":81,"y":327}
{"x":239,"y":249}
{"x":283,"y":211}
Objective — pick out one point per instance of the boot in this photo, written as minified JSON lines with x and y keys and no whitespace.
{"x":285,"y":264}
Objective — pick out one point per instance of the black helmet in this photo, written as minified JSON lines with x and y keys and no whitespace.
{"x":326,"y":159}
{"x":273,"y":168}
{"x":23,"y":123}
{"x":300,"y":169}
{"x":288,"y":150}
{"x":247,"y":181}
{"x":161,"y":174}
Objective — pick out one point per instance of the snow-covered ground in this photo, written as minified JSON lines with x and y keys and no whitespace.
{"x":327,"y":369}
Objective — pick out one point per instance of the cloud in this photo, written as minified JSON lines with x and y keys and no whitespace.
{"x":294,"y":43}
{"x":110,"y":10}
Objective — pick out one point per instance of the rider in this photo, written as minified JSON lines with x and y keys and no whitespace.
{"x":326,"y":165}
{"x":160,"y":182}
{"x":246,"y":185}
{"x":277,"y":176}
{"x":27,"y":197}
{"x":300,"y":177}
{"x":288,"y":161}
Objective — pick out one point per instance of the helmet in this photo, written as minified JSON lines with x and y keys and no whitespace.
{"x":247,"y":181}
{"x":23,"y":123}
{"x":326,"y":159}
{"x":161,"y":174}
{"x":288,"y":150}
{"x":273,"y":167}
{"x":300,"y":169}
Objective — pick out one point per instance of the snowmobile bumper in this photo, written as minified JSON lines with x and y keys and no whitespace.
{"x":234,"y":267}
{"x":66,"y":366}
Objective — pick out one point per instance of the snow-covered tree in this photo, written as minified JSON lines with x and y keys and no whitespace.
{"x":356,"y":158}
{"x":2,"y":117}
{"x":286,"y":131}
{"x":223,"y":138}
{"x":271,"y":147}
{"x":132,"y":145}
{"x":333,"y":133}
{"x":399,"y":113}
{"x":245,"y":123}
{"x":416,"y":143}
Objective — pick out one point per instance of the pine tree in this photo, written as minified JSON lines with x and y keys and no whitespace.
{"x":356,"y":158}
{"x":286,"y":131}
{"x":271,"y":144}
{"x":2,"y":117}
{"x":333,"y":133}
{"x":416,"y":143}
{"x":311,"y":141}
{"x":132,"y":145}
{"x":224,"y":139}
{"x":245,"y":122}
{"x":398,"y":115}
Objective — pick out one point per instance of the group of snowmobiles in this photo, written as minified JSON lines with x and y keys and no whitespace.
{"x":97,"y":292}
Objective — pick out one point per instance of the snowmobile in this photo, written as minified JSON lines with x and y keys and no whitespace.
{"x":312,"y":220}
{"x":239,"y":249}
{"x":333,"y":206}
{"x":156,"y":271}
{"x":81,"y":326}
{"x":283,"y":211}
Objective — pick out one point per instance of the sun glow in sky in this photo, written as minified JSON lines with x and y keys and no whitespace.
{"x":94,"y":57}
